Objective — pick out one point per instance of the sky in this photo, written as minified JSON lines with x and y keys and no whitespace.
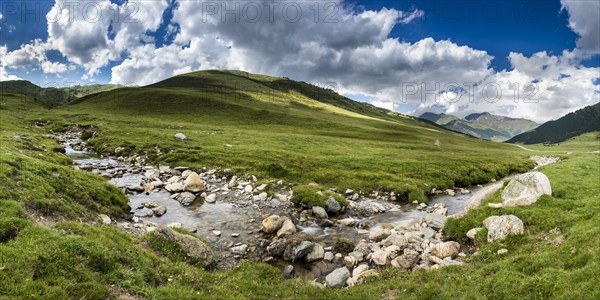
{"x":532,"y":59}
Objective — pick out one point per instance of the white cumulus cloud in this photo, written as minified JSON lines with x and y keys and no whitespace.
{"x":584,"y":19}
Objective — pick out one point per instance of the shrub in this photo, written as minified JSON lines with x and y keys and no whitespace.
{"x":86,"y":135}
{"x":344,"y":245}
{"x":308,"y":195}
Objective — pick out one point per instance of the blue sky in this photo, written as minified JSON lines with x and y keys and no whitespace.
{"x":427,"y":42}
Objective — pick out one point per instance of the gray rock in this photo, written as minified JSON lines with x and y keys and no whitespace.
{"x":174,"y":187}
{"x":317,"y":253}
{"x":395,"y":239}
{"x":287,"y":228}
{"x":479,"y":196}
{"x":423,"y":234}
{"x":337,"y":278}
{"x":319,"y":212}
{"x":379,"y":257}
{"x":473,"y":232}
{"x":347,"y":222}
{"x":526,"y":189}
{"x":328,"y":256}
{"x":212,"y":198}
{"x":277,"y":247}
{"x":105,"y":219}
{"x":160,"y":210}
{"x":296,"y":252}
{"x":272,"y":224}
{"x":407,"y":260}
{"x":435,"y":221}
{"x":288,"y":272}
{"x":239,"y":250}
{"x":180,"y":136}
{"x":192,"y":246}
{"x":333,"y":206}
{"x":186,"y":198}
{"x":499,"y":227}
{"x":135,"y":188}
{"x":379,"y":235}
{"x":263,"y":196}
{"x":359,"y":270}
{"x":193,"y":183}
{"x":446,"y":249}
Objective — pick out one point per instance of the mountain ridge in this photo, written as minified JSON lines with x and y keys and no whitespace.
{"x":483,"y":125}
{"x":575,"y":123}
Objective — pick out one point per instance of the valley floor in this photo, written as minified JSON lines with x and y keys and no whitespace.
{"x":51,"y":246}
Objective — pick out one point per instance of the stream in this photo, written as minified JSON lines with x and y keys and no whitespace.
{"x":236,"y":217}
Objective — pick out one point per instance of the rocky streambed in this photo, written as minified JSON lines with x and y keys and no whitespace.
{"x":245,"y":219}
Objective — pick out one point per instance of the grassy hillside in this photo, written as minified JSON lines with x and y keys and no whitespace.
{"x":278,"y":128}
{"x":573,"y":124}
{"x":51,"y":96}
{"x":50,"y":250}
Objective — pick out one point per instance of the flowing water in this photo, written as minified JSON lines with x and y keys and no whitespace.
{"x":241,"y":224}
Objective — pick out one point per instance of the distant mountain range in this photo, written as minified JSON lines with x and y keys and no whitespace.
{"x":573,"y":124}
{"x":51,"y":96}
{"x":482,"y":125}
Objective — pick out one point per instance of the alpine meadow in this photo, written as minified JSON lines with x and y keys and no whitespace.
{"x":337,"y":149}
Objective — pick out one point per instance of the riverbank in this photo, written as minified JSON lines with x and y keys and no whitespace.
{"x":230,"y":213}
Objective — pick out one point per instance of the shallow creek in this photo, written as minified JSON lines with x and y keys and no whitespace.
{"x":240,"y":224}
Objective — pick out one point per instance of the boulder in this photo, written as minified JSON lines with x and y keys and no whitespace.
{"x":479,"y":196}
{"x":337,"y":278}
{"x":185,"y":198}
{"x":277,"y":246}
{"x":160,"y":210}
{"x":379,"y":235}
{"x":319,"y":212}
{"x":359,"y":270}
{"x":193,"y":183}
{"x":407,"y":260}
{"x":239,"y":250}
{"x":333,"y":206}
{"x":288,"y":272}
{"x":180,"y":136}
{"x":526,"y":189}
{"x":105,"y":219}
{"x":174,"y":187}
{"x":192,"y":246}
{"x":287,"y":228}
{"x":473,"y":232}
{"x":298,"y":251}
{"x":446,"y":249}
{"x":347,"y":222}
{"x":435,"y":220}
{"x":396,"y":240}
{"x":272,"y":224}
{"x":379,"y":257}
{"x":499,"y":227}
{"x":212,"y":198}
{"x":317,"y":253}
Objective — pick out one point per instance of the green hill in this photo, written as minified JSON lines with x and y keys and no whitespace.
{"x":571,"y":125}
{"x":280,"y":128}
{"x":51,"y":96}
{"x":440,"y":119}
{"x":53,"y":248}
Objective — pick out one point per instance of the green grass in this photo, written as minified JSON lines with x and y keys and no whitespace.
{"x":72,"y":259}
{"x":281,"y":129}
{"x":313,"y":195}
